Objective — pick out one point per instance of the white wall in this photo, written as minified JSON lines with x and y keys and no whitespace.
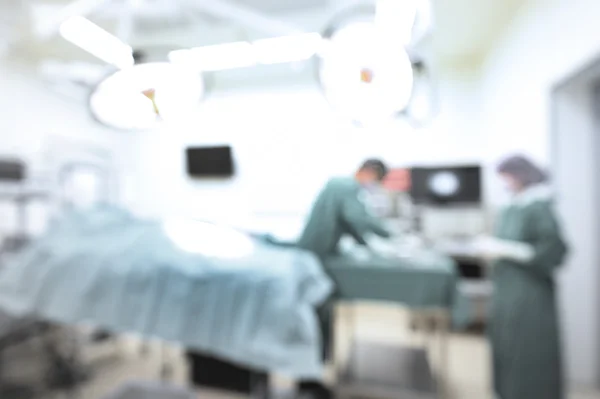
{"x":287,"y":142}
{"x":575,"y":165}
{"x":30,"y":112}
{"x":29,"y":116}
{"x":549,"y":40}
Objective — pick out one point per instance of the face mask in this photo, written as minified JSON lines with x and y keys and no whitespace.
{"x":506,"y":186}
{"x":370,"y":187}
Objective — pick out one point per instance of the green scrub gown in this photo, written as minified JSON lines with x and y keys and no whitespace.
{"x":524,"y":328}
{"x":337,"y":211}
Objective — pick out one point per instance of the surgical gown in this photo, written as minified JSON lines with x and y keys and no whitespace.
{"x":524,"y":329}
{"x":337,"y":211}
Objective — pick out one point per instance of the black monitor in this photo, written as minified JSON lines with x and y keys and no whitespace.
{"x":12,"y":171}
{"x":439,"y":186}
{"x":210,"y":162}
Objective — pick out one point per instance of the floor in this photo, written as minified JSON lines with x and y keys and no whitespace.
{"x":118,"y":362}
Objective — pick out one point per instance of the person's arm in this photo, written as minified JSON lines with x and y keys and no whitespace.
{"x":496,"y":248}
{"x":544,"y":251}
{"x":547,"y":241}
{"x":359,"y":221}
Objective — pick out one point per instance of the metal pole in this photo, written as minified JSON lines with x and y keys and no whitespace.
{"x":444,"y":321}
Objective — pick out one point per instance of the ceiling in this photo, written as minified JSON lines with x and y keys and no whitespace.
{"x":470,"y":27}
{"x":464,"y":29}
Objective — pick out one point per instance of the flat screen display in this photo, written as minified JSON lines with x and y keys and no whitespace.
{"x":446,"y":185}
{"x":11,"y":171}
{"x":210,"y":161}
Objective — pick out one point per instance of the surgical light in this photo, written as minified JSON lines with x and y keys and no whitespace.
{"x":364,"y":77}
{"x":96,"y":41}
{"x":141,"y":96}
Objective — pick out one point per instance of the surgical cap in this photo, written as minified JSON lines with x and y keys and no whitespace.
{"x":522,"y":169}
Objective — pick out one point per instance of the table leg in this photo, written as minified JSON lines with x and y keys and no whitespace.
{"x":341,"y":347}
{"x":429,"y":332}
{"x":444,"y":330}
{"x":166,"y":369}
{"x":421,"y":327}
{"x":350,"y":335}
{"x":337,"y":344}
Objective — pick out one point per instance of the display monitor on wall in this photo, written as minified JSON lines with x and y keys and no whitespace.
{"x":455,"y":185}
{"x":210,"y":162}
{"x":11,"y":171}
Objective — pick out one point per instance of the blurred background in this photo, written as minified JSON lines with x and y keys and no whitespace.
{"x":294,"y":92}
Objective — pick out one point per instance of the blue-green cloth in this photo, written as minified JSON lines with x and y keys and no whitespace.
{"x":428,"y":279}
{"x":337,"y":211}
{"x":524,"y":325}
{"x":425,"y":280}
{"x":124,"y":274}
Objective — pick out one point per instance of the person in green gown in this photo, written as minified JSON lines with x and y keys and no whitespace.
{"x":340,"y":209}
{"x":525,"y":252}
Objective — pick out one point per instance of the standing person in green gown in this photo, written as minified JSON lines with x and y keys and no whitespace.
{"x":526,"y":251}
{"x":339,"y":210}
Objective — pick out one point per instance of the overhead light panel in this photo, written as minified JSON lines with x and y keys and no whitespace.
{"x":286,"y":49}
{"x":96,"y":41}
{"x":216,"y":58}
{"x":279,"y":50}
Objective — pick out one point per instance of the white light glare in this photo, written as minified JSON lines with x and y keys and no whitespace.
{"x":96,"y":41}
{"x":218,"y":57}
{"x":208,"y":239}
{"x":395,"y":19}
{"x":424,"y":20}
{"x":279,"y":50}
{"x":287,"y":48}
{"x":352,"y":50}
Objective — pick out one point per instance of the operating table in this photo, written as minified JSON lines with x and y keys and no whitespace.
{"x":109,"y":269}
{"x":425,"y":283}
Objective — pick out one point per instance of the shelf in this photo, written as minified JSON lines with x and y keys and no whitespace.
{"x":23,"y":193}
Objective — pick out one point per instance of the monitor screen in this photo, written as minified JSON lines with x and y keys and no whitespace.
{"x":11,"y":171}
{"x":210,"y":161}
{"x":446,"y":185}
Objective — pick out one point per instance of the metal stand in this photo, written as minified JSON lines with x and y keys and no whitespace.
{"x":166,"y":368}
{"x":21,"y":200}
{"x":389,"y":372}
